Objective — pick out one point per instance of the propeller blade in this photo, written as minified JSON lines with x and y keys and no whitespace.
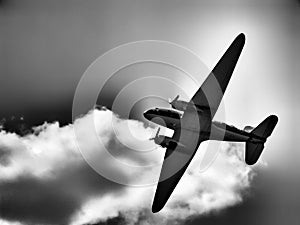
{"x":175,"y":99}
{"x":156,"y":135}
{"x":157,"y":132}
{"x":170,"y":101}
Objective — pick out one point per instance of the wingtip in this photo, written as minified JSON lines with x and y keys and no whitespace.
{"x":156,"y":208}
{"x":274,"y":118}
{"x":241,"y":37}
{"x":155,"y":211}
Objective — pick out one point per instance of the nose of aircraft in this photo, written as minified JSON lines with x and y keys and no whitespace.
{"x":146,"y":114}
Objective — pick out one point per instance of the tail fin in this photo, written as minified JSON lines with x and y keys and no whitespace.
{"x":263,"y":130}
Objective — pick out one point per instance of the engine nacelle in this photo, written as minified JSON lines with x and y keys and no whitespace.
{"x":183,"y":105}
{"x":166,"y":142}
{"x":162,"y":140}
{"x":179,"y":105}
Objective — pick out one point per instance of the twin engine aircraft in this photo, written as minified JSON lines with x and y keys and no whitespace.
{"x":193,"y":123}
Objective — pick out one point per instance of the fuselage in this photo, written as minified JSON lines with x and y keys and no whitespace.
{"x":164,"y":117}
{"x":217,"y":130}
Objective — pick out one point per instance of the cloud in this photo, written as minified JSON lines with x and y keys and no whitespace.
{"x":44,"y":179}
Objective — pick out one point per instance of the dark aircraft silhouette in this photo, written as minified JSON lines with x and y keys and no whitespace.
{"x":195,"y":125}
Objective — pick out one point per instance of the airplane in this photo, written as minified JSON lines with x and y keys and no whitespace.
{"x":193,"y":123}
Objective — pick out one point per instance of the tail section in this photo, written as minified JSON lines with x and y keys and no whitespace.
{"x":260,"y":135}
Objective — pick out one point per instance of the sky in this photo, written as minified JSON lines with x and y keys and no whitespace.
{"x":47,"y":47}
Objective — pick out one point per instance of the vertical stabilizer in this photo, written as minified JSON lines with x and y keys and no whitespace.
{"x":263,"y":130}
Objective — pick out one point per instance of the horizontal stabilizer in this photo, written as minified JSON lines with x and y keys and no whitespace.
{"x":263,"y":130}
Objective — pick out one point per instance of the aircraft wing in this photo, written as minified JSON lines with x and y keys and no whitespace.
{"x":210,"y":94}
{"x":208,"y":97}
{"x":177,"y":160}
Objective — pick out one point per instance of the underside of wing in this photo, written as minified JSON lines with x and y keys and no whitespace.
{"x":210,"y":94}
{"x":166,"y":186}
{"x":175,"y":164}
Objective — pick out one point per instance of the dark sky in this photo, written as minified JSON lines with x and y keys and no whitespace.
{"x":46,"y":46}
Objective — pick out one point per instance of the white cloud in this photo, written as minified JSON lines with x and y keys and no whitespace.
{"x":47,"y":180}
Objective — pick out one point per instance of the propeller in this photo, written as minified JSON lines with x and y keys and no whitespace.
{"x":175,"y":99}
{"x":156,"y":135}
{"x":170,"y":101}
